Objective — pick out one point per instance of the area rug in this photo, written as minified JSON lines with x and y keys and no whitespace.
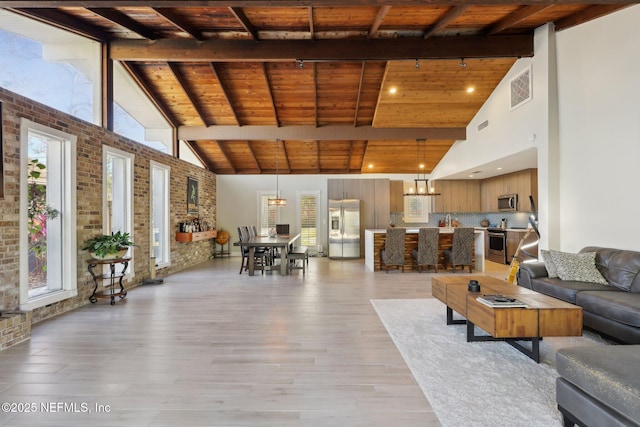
{"x":479,"y":383}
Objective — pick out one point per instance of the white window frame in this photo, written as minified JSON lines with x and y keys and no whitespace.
{"x":68,"y":218}
{"x":165,"y":230}
{"x":299,"y":195}
{"x":128,"y":201}
{"x":260,"y":195}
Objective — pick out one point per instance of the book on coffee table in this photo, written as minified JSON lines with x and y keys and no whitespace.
{"x":497,"y":301}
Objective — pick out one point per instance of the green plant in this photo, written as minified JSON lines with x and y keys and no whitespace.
{"x":38,"y":211}
{"x":108,"y":244}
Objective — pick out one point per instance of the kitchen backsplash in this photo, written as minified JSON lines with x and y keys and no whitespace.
{"x":514,"y":219}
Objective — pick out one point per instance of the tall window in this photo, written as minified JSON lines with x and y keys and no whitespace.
{"x":118,"y":194}
{"x":160,"y":213}
{"x":308,"y":205}
{"x":268,"y":216}
{"x":48,"y":216}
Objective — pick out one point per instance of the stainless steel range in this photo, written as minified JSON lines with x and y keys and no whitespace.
{"x":497,"y":251}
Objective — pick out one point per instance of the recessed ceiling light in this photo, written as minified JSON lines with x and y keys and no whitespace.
{"x":499,"y":169}
{"x":470,"y":89}
{"x":393,"y":90}
{"x":370,"y":165}
{"x":421,"y":166}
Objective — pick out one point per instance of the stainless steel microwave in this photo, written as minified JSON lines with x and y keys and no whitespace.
{"x":508,"y":202}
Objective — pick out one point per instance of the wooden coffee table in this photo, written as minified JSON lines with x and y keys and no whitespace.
{"x":544,"y":316}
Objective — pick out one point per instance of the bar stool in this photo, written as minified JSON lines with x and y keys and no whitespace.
{"x":427,"y":252}
{"x":392,"y":254}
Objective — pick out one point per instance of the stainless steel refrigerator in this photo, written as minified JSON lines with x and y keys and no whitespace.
{"x":344,"y":229}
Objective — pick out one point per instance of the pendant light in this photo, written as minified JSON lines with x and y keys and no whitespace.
{"x":278,"y":202}
{"x":421,"y":183}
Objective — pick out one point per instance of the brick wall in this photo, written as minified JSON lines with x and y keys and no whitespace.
{"x":89,"y":200}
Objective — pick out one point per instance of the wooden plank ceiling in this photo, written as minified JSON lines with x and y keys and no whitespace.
{"x":352,"y":84}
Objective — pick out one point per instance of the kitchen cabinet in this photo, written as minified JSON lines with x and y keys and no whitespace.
{"x":513,"y":240}
{"x":374,"y":195}
{"x":396,"y":196}
{"x":461,"y":195}
{"x":522,"y":183}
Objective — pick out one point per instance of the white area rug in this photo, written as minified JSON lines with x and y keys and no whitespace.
{"x":474,"y":384}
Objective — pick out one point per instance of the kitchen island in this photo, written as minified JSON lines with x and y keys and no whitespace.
{"x":374,"y":239}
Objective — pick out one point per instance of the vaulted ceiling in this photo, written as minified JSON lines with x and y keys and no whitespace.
{"x":342,"y":86}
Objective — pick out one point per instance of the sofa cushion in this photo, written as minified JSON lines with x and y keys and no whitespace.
{"x":620,"y":267}
{"x":565,"y":290}
{"x":623,"y":307}
{"x":552,"y":270}
{"x":579,"y":267}
{"x":607,"y":373}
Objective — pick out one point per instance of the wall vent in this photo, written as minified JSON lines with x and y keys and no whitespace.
{"x":483,"y":125}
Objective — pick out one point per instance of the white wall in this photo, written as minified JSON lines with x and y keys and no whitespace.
{"x":599,"y":151}
{"x":237,"y":200}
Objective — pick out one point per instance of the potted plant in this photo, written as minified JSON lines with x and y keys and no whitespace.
{"x":108,"y":246}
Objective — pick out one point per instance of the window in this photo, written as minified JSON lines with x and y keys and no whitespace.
{"x":268,"y":216}
{"x":308,"y":204}
{"x":118,"y":195}
{"x":160,"y":242}
{"x":51,"y":66}
{"x":48,"y":252}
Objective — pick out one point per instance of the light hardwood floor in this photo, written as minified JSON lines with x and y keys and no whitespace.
{"x":210,"y":347}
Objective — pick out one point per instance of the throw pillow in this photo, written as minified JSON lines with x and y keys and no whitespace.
{"x":552,"y":271}
{"x":577,"y":267}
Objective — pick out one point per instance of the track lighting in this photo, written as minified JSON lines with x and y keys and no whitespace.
{"x":417,"y":64}
{"x":462,"y":63}
{"x":301,"y":63}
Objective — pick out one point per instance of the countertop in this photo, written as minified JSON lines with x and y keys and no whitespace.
{"x":414,"y":230}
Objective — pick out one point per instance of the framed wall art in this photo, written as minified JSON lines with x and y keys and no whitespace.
{"x":520,"y":87}
{"x":192,"y":195}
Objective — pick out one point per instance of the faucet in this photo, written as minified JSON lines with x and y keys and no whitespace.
{"x":448,"y":221}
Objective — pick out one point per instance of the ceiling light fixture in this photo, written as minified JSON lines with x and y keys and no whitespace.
{"x":462,"y":63}
{"x":417,"y":63}
{"x":421,"y":183}
{"x":301,"y":63}
{"x":278,"y":202}
{"x":393,"y":90}
{"x":470,"y":89}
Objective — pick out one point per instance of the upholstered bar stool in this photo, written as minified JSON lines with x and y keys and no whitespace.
{"x":392,"y":254}
{"x":426,"y":253}
{"x":461,"y":252}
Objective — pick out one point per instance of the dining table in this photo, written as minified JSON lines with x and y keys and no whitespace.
{"x":284,"y":242}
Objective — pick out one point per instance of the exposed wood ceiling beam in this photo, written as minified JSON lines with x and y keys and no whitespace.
{"x":142,"y":83}
{"x":179,"y":22}
{"x":355,"y":116}
{"x":279,"y":3}
{"x":318,"y":156}
{"x":253,"y":155}
{"x":270,"y":92}
{"x":324,"y":133}
{"x":348,"y":166}
{"x":312,"y":28}
{"x":361,"y":160}
{"x":64,"y":21}
{"x":225,"y":92}
{"x":587,"y":15}
{"x":244,"y":21}
{"x":286,"y":155}
{"x":184,"y":84}
{"x":226,"y":157}
{"x":382,"y":12}
{"x":445,"y":20}
{"x":323,"y":50}
{"x":517,"y":16}
{"x":125,"y":21}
